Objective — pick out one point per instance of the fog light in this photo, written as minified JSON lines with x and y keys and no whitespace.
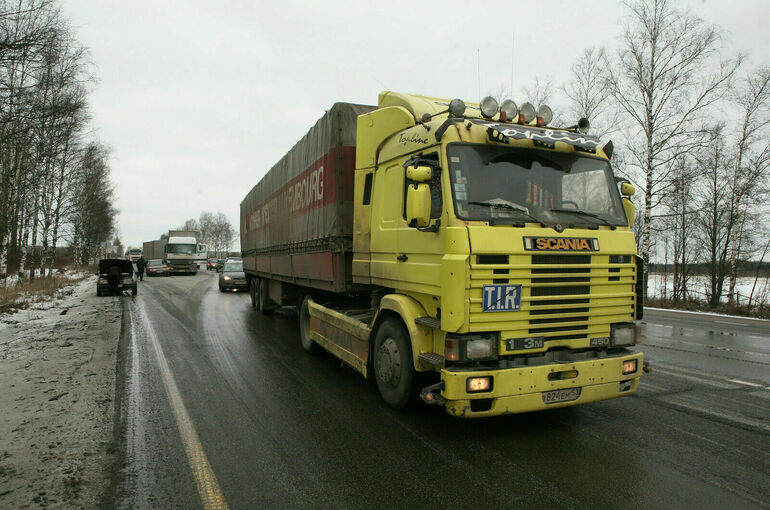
{"x":478,"y":384}
{"x":508,"y":109}
{"x":456,"y":108}
{"x":526,"y":113}
{"x":489,"y":107}
{"x":629,"y":366}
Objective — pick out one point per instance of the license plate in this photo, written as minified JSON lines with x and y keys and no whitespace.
{"x":556,"y":396}
{"x":501,"y":298}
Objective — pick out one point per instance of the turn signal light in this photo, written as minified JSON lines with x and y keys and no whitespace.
{"x":629,"y":367}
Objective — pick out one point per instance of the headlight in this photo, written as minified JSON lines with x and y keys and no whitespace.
{"x":470,"y":347}
{"x":623,"y":334}
{"x":227,"y":278}
{"x":509,"y":109}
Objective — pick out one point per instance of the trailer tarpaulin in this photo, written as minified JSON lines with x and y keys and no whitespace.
{"x":297,"y":222}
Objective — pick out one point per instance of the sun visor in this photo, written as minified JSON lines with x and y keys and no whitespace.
{"x":543,"y":136}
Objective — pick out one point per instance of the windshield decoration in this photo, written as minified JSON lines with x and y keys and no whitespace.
{"x":544,"y":136}
{"x":561,"y":244}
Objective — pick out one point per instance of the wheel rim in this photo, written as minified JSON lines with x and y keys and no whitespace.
{"x":389,"y":362}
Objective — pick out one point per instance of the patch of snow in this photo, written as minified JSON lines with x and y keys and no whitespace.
{"x":712,"y":314}
{"x":659,"y":286}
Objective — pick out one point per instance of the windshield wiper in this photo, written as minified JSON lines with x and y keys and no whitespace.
{"x":585,"y":213}
{"x":510,"y":206}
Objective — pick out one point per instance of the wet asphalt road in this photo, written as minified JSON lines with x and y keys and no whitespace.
{"x":279,"y":428}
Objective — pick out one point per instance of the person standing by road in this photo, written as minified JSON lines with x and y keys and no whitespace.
{"x":141,"y":264}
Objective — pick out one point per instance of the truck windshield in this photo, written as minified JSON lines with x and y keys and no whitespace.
{"x":512,"y":185}
{"x":180,"y":249}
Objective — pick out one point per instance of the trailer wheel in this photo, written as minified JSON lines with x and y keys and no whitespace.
{"x":304,"y":326}
{"x":264,"y":299}
{"x":393,"y":368}
{"x":253,"y":293}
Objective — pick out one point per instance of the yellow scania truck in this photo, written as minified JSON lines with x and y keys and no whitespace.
{"x":466,"y":253}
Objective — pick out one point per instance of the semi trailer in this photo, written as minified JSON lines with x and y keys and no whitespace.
{"x":468,"y":254}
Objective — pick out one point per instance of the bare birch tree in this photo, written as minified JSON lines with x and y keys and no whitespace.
{"x":661,"y":80}
{"x":751,"y":166}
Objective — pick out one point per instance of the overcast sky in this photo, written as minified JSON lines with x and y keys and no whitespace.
{"x":198,"y":99}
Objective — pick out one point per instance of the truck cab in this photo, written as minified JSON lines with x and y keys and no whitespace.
{"x":181,"y":254}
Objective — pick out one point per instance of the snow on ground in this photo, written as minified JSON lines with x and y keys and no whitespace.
{"x":698,"y":285}
{"x":57,"y":374}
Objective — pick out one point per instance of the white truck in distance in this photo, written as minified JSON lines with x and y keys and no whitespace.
{"x":201,"y":252}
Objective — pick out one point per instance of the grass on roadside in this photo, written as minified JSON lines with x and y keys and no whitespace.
{"x":20,"y":297}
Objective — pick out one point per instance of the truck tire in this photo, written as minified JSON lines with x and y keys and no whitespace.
{"x":264,"y":300}
{"x":393,"y":367}
{"x":304,"y":326}
{"x":253,"y":290}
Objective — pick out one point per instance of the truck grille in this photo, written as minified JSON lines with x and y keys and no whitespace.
{"x":564,"y":296}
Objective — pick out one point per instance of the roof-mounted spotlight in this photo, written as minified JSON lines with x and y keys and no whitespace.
{"x":583,"y":125}
{"x":509,"y":111}
{"x":526,"y":113}
{"x":456,"y":108}
{"x":489,"y":107}
{"x":544,"y":115}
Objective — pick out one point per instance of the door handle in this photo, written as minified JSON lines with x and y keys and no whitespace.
{"x":402,"y":257}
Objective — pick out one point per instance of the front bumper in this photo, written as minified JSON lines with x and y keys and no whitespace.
{"x":105,"y":287}
{"x":183,"y":269}
{"x":521,"y":390}
{"x":235,"y":284}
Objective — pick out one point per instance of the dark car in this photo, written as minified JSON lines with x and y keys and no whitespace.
{"x":232,"y":276}
{"x":220,"y":263}
{"x":156,"y":267}
{"x":123,"y":272}
{"x":211,"y":264}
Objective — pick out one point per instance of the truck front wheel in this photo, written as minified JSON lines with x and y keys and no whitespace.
{"x":304,"y":326}
{"x":393,"y":368}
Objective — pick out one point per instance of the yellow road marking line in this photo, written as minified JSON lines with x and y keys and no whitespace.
{"x":205,"y":479}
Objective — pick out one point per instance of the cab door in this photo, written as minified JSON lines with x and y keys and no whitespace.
{"x":420,"y":250}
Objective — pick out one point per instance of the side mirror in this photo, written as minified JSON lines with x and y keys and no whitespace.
{"x":419,"y":173}
{"x":418,"y":205}
{"x":627,"y":189}
{"x":630,"y":209}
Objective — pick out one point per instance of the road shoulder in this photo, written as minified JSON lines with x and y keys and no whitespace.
{"x":57,"y":371}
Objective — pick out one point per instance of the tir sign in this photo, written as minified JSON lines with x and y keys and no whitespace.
{"x":501,"y":298}
{"x":561,"y":244}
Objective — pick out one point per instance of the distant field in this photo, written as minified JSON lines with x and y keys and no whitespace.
{"x":697,"y":286}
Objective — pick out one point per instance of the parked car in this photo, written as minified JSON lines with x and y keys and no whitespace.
{"x":232,"y":276}
{"x":220,"y":263}
{"x":156,"y":267}
{"x":211,"y":264}
{"x":120,"y":269}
